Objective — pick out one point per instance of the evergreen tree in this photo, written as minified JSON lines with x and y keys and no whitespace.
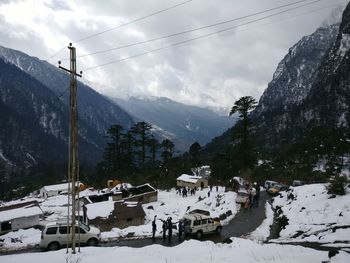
{"x":194,"y":154}
{"x":154,"y":146}
{"x":127,"y":150}
{"x":167,"y":150}
{"x":112,"y":155}
{"x":244,"y":106}
{"x":142,"y":137}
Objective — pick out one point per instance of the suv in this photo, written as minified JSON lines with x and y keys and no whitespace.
{"x":276,"y":189}
{"x":199,"y":223}
{"x":55,"y":235}
{"x":242,"y":196}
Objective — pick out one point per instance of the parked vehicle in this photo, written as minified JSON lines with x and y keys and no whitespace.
{"x":242,"y":196}
{"x":276,"y":189}
{"x":199,"y":224}
{"x":298,"y":183}
{"x":55,"y":235}
{"x":268,"y":184}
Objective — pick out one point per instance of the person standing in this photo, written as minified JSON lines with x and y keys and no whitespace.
{"x":164,"y":227}
{"x":170,"y":229}
{"x":181,"y":229}
{"x":154,"y":228}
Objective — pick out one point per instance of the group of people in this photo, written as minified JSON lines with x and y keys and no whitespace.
{"x":167,"y":228}
{"x":185,"y":190}
{"x":253,"y":197}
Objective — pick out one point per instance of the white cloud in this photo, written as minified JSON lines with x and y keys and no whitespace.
{"x":214,"y":71}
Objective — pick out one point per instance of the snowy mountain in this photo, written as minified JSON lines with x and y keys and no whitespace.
{"x":290,"y":87}
{"x":30,"y":95}
{"x":317,"y":94}
{"x":183,"y":124}
{"x":295,"y":74}
{"x":34,"y":122}
{"x":97,"y":111}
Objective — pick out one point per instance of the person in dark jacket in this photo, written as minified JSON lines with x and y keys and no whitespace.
{"x":164,"y":227}
{"x":154,"y":228}
{"x":181,"y":229}
{"x":170,"y":229}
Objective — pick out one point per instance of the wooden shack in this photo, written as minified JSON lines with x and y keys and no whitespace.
{"x":191,"y":181}
{"x":123,"y":215}
{"x":19,"y":216}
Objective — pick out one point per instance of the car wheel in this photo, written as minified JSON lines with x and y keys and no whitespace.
{"x":218,"y":230}
{"x":92,"y":242}
{"x":199,"y":234}
{"x":53,"y":246}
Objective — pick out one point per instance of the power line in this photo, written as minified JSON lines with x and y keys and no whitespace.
{"x":190,"y":30}
{"x":124,"y":24}
{"x":132,"y":21}
{"x":200,"y":37}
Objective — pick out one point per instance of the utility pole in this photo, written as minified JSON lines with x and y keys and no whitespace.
{"x":73,"y":162}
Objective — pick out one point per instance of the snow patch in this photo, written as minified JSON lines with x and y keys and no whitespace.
{"x":344,"y":45}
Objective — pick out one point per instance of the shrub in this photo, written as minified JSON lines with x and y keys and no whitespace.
{"x":337,"y":185}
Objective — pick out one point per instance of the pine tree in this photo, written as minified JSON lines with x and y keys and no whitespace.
{"x":244,"y":106}
{"x":154,"y":146}
{"x":194,"y":154}
{"x":142,"y":136}
{"x":167,"y":150}
{"x":112,"y":153}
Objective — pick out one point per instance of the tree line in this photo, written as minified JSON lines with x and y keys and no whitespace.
{"x":135,"y":155}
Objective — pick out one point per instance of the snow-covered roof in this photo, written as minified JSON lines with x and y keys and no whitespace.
{"x":19,"y":212}
{"x":57,"y":187}
{"x":189,"y":178}
{"x":100,"y":209}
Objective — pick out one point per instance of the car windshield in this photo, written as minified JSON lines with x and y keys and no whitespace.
{"x":85,"y":227}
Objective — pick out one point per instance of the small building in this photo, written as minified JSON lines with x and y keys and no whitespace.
{"x":123,"y":215}
{"x":143,"y":194}
{"x":56,"y":189}
{"x":191,"y":181}
{"x":19,"y":216}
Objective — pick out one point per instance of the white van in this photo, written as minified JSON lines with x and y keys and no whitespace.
{"x":268,"y":184}
{"x":55,"y":235}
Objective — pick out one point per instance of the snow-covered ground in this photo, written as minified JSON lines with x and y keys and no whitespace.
{"x":240,"y":250}
{"x":314,"y":216}
{"x":169,"y":204}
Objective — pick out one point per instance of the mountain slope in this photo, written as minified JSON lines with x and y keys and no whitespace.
{"x":98,"y":112}
{"x":329,"y":98}
{"x":34,"y":122}
{"x":181,"y":123}
{"x":290,"y":87}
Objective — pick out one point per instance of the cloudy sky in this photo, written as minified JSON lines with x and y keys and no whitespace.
{"x":211,"y":71}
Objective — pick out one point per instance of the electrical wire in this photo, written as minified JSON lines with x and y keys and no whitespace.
{"x":189,"y":31}
{"x":201,"y":36}
{"x":132,"y":21}
{"x":121,"y":25}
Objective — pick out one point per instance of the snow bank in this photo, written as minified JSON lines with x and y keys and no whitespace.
{"x":20,"y":239}
{"x":239,"y":250}
{"x":313,"y":215}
